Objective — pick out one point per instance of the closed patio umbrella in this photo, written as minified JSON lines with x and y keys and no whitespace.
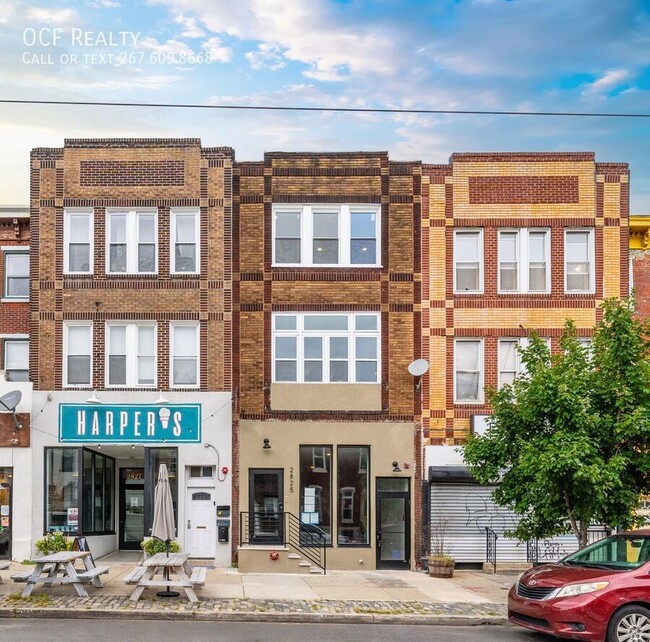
{"x":163,"y":526}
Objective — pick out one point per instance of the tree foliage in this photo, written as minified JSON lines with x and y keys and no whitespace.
{"x":568,"y":441}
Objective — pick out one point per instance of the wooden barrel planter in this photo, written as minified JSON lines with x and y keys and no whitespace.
{"x":441,"y":567}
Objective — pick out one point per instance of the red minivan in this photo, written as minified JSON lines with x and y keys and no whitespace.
{"x":601,"y":592}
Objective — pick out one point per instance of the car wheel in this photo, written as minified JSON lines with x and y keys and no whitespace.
{"x":630,"y":624}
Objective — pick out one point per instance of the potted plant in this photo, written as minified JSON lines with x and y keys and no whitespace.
{"x":152,"y":545}
{"x":440,"y":563}
{"x":53,"y":542}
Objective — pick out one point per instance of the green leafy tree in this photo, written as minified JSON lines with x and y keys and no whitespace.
{"x":568,"y":441}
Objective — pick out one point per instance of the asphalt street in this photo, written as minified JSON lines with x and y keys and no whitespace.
{"x":77,"y":630}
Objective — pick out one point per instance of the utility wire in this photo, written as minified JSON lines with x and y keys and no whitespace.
{"x":354,"y":110}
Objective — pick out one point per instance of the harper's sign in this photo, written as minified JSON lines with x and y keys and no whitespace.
{"x":130,"y":423}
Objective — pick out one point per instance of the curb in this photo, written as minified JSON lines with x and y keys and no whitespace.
{"x":297,"y":618}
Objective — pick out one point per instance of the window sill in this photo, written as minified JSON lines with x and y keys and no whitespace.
{"x":16,"y":299}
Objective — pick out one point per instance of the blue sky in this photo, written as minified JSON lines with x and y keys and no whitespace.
{"x":533,"y":55}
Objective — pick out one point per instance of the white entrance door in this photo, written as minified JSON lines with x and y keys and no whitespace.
{"x":201,"y":522}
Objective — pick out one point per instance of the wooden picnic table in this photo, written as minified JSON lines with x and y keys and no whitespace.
{"x":58,"y":568}
{"x":161,"y":571}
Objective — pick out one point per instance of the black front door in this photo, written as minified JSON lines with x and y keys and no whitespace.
{"x":393,"y":530}
{"x":131,"y":508}
{"x":265,"y":506}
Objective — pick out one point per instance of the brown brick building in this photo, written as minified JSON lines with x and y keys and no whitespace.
{"x":131,"y":296}
{"x":512,"y":242}
{"x":327,"y":261}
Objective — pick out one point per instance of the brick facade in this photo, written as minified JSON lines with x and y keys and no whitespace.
{"x":490,"y":192}
{"x":149,"y":173}
{"x":14,"y":233}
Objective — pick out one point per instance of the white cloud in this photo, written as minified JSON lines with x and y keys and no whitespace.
{"x":309,"y":33}
{"x":103,"y":4}
{"x":267,"y":56}
{"x":171,"y":47}
{"x":190,"y":28}
{"x":218,"y":52}
{"x":60,"y":17}
{"x":608,"y":81}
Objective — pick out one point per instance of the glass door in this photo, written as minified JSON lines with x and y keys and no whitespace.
{"x":393,"y":525}
{"x":131,"y":508}
{"x":6,"y":477}
{"x":265,"y":505}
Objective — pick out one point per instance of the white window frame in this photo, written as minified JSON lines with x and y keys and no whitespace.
{"x":132,"y":353}
{"x":590,"y":256}
{"x":7,"y":340}
{"x":481,"y":252}
{"x":481,"y":370}
{"x":345,"y":213}
{"x":522,"y":342}
{"x":523,"y":259}
{"x":7,"y":251}
{"x":346,"y":504}
{"x":185,"y":211}
{"x":351,"y":333}
{"x":172,"y":353}
{"x":132,"y":239}
{"x":66,"y":344}
{"x":319,"y":459}
{"x":67,"y":212}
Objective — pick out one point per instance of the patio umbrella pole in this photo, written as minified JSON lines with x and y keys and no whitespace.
{"x":167,"y":593}
{"x":163,"y":527}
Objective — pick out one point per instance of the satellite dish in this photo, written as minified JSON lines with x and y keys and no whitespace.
{"x":11,"y":400}
{"x":418,"y":367}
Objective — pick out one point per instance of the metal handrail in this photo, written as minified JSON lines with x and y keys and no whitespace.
{"x":283,"y":529}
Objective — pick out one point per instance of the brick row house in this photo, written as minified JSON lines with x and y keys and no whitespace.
{"x":253,"y":324}
{"x":327,"y":260}
{"x":14,"y":351}
{"x":512,"y":243}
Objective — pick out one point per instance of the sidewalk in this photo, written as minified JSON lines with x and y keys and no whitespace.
{"x":470,"y":597}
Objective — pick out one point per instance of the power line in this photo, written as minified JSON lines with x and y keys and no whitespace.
{"x":354,"y":110}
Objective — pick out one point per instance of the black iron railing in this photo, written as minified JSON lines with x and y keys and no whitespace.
{"x":278,"y":528}
{"x":548,"y":550}
{"x":491,"y":538}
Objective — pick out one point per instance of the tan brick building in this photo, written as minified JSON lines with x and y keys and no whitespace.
{"x":512,"y":242}
{"x":327,"y":260}
{"x":130,"y":334}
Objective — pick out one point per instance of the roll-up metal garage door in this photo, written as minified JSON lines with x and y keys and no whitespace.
{"x":465,"y":510}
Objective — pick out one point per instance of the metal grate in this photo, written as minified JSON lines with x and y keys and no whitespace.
{"x":527,"y":619}
{"x":533,"y":593}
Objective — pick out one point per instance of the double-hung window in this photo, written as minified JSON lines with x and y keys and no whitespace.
{"x":185,"y":228}
{"x":510,"y":363}
{"x":185,"y":355}
{"x":16,"y":274}
{"x":468,"y":260}
{"x":468,"y":371}
{"x":131,"y":239}
{"x":131,"y":354}
{"x":78,"y":241}
{"x":77,"y":351}
{"x":16,"y":359}
{"x":579,"y":261}
{"x":524,"y":259}
{"x":326,"y":235}
{"x":326,"y":348}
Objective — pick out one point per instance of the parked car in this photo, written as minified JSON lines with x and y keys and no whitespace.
{"x":601,"y":592}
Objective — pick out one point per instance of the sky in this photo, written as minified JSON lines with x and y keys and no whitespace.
{"x":487,"y":55}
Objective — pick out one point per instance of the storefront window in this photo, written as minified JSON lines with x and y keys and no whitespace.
{"x":153,"y":457}
{"x":98,"y":493}
{"x":316,"y":491}
{"x":62,"y":489}
{"x":6,"y":477}
{"x":353,"y":476}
